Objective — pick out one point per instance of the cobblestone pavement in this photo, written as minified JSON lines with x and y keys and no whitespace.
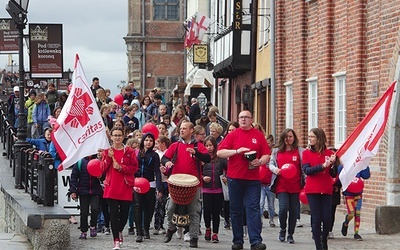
{"x":302,"y":237}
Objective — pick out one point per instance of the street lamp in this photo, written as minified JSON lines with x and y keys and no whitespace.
{"x":18,"y":11}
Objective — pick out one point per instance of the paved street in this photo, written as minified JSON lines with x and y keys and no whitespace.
{"x":302,"y":237}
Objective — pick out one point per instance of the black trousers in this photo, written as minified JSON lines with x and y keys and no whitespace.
{"x":119,"y":211}
{"x":86,"y":201}
{"x":212,"y":204}
{"x":144,"y":209}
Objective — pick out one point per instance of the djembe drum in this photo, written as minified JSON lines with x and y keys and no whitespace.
{"x":182,"y":189}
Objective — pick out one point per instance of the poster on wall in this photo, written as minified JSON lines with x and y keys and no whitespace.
{"x":65,"y":201}
{"x":46,"y":50}
{"x":8,"y":37}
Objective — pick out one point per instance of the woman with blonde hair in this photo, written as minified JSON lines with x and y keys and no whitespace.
{"x":101,"y":97}
{"x":216,"y":131}
{"x":178,"y":115}
{"x":40,"y":114}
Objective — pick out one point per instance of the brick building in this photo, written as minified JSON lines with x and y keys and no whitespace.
{"x":155,"y":45}
{"x":334,"y":59}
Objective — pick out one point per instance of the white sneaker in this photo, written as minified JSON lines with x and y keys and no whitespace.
{"x":179,"y":233}
{"x":186,"y":237}
{"x":330,"y":235}
{"x":116,"y":245}
{"x":299,"y":224}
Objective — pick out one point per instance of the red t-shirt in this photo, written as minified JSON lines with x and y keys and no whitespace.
{"x":292,"y":185}
{"x":321,"y":182}
{"x":238,"y":165}
{"x":115,"y":186}
{"x":184,"y":162}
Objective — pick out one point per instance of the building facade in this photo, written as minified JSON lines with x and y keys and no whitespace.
{"x":155,"y":45}
{"x":334,"y":59}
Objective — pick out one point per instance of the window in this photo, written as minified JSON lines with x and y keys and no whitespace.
{"x":166,"y":9}
{"x":264,"y":23}
{"x":312,"y":102}
{"x":167,"y":84}
{"x":161,"y":82}
{"x":340,"y":108}
{"x":289,"y":104}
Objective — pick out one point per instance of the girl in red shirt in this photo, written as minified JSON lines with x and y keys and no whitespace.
{"x":119,"y":163}
{"x":287,"y":190}
{"x":318,"y":165}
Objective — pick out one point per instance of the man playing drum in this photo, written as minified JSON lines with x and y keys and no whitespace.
{"x":244,"y":180}
{"x":185,"y":157}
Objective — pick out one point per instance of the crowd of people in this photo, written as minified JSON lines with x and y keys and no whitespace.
{"x":227,"y":162}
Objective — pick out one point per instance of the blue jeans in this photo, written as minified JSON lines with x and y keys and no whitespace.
{"x":266,"y":192}
{"x":245,"y":193}
{"x":288,"y":203}
{"x":320,"y":208}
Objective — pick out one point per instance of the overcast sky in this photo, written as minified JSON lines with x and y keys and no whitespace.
{"x":91,"y":28}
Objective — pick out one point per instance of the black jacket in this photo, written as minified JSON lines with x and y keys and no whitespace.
{"x":214,"y":169}
{"x":194,"y":113}
{"x":82,"y":183}
{"x":149,"y":167}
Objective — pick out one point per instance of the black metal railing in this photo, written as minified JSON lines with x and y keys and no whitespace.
{"x":38,"y":175}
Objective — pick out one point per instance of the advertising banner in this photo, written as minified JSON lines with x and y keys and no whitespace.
{"x":8,"y":37}
{"x":46,"y":50}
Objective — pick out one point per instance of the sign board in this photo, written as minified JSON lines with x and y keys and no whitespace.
{"x":200,"y":53}
{"x":238,"y":17}
{"x":65,"y":201}
{"x":8,"y":37}
{"x":46,"y":50}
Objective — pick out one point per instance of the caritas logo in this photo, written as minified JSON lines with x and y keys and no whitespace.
{"x":80,"y":110}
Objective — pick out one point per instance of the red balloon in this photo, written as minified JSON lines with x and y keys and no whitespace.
{"x":150,"y":128}
{"x":93,"y":167}
{"x":119,"y":99}
{"x":263,"y":170}
{"x":288,"y":170}
{"x":303,"y":197}
{"x":142,"y":185}
{"x":356,"y":186}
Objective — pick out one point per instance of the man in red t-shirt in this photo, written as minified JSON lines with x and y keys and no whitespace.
{"x":244,"y":179}
{"x":183,"y":157}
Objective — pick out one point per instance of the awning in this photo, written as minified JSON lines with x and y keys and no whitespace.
{"x":199,"y":78}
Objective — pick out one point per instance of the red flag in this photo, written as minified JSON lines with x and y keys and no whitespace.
{"x":363,"y":143}
{"x":80,"y":130}
{"x":189,"y":38}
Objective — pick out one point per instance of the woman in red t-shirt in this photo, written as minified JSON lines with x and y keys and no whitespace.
{"x":119,"y":163}
{"x":287,"y":190}
{"x":318,"y":165}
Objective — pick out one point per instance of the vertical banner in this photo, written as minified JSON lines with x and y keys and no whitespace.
{"x":65,"y":201}
{"x":46,"y":50}
{"x":8,"y":37}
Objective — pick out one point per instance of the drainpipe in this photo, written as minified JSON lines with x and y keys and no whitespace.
{"x":272,"y":65}
{"x":143,"y":49}
{"x":253,"y":52}
{"x":185,"y":58}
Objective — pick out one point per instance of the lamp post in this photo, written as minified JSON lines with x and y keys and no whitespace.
{"x":18,"y":11}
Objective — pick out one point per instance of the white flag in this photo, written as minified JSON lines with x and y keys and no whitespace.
{"x":80,"y":130}
{"x":200,"y":27}
{"x":363,"y":143}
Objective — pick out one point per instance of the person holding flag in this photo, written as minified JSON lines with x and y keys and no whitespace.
{"x":119,"y":163}
{"x":318,"y":165}
{"x":353,"y":201}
